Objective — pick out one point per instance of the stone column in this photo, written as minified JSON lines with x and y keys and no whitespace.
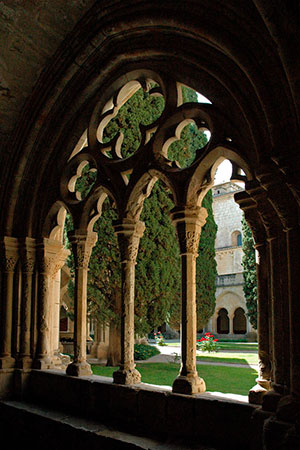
{"x":264,"y":364}
{"x":279,"y":211}
{"x":55,"y":316}
{"x":9,"y":260}
{"x":59,"y":260}
{"x":287,"y":209}
{"x":28,"y":265}
{"x":188,"y":223}
{"x":231,"y":317}
{"x":249,"y":207}
{"x":293,"y":250}
{"x":50,"y":258}
{"x":278,"y":331}
{"x":129,"y":233}
{"x":82,"y":245}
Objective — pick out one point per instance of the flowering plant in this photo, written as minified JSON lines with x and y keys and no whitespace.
{"x":207,"y":343}
{"x":159,"y":339}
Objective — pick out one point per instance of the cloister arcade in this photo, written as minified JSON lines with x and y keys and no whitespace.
{"x":247,"y":64}
{"x":188,"y":186}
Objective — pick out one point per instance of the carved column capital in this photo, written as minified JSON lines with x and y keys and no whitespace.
{"x":28,"y":254}
{"x":189,"y":222}
{"x":280,"y":197}
{"x":50,"y":255}
{"x":268,"y":216}
{"x":10,"y":253}
{"x":129,"y":233}
{"x":249,"y":207}
{"x":82,"y":245}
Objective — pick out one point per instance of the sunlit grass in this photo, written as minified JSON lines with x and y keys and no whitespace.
{"x":229,"y":358}
{"x":231,"y":346}
{"x":217,"y":378}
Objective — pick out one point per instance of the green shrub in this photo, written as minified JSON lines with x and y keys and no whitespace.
{"x":143,"y":351}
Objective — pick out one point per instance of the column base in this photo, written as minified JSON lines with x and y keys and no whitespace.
{"x":123,"y":376}
{"x":270,"y":400}
{"x":258,"y":391}
{"x":24,"y":363}
{"x":188,"y":385}
{"x":79,"y":369}
{"x":42,"y":363}
{"x":7,"y":362}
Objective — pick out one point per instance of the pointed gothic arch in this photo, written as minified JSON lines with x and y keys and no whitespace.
{"x":255,"y":82}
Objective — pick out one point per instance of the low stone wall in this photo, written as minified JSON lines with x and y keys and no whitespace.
{"x":154,"y":411}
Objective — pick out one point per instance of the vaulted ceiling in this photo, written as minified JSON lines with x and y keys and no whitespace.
{"x":56,"y":55}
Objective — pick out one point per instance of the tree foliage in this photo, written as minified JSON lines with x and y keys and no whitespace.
{"x":158,"y":264}
{"x":250,"y":280}
{"x":206,"y":267}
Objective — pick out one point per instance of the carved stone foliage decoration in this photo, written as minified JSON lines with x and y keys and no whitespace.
{"x":189,"y":241}
{"x":82,"y":246}
{"x":50,"y":257}
{"x":189,"y":222}
{"x":9,"y":263}
{"x":28,"y":265}
{"x":129,"y":234}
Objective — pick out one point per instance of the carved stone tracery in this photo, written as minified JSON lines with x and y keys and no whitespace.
{"x":130,"y":178}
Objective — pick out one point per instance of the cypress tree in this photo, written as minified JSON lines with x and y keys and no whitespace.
{"x":249,"y":274}
{"x":206,"y":267}
{"x":158,"y":264}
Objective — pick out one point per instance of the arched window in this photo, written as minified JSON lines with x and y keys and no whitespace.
{"x":236,"y":239}
{"x":223,"y":322}
{"x":239,"y":240}
{"x":239,"y":322}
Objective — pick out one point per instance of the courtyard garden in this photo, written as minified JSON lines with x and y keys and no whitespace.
{"x":232,"y":369}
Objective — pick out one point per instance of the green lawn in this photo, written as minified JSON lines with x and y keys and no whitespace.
{"x":231,"y":346}
{"x":230,"y":357}
{"x":238,"y":346}
{"x":218,"y":378}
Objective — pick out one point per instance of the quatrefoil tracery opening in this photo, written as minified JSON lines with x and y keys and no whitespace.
{"x":162,"y":114}
{"x":121,"y":133}
{"x":182,"y":149}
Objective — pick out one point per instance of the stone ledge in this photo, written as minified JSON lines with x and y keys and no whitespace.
{"x":153,"y":411}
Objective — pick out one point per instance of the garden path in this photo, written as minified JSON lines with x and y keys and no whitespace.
{"x":172,"y":354}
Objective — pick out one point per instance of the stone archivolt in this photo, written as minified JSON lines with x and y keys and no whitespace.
{"x":253,"y":120}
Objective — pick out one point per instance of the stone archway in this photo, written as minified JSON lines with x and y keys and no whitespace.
{"x":223,"y":321}
{"x":42,"y":123}
{"x":239,"y":322}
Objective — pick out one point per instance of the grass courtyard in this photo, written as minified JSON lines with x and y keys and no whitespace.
{"x":223,"y":379}
{"x":230,"y":357}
